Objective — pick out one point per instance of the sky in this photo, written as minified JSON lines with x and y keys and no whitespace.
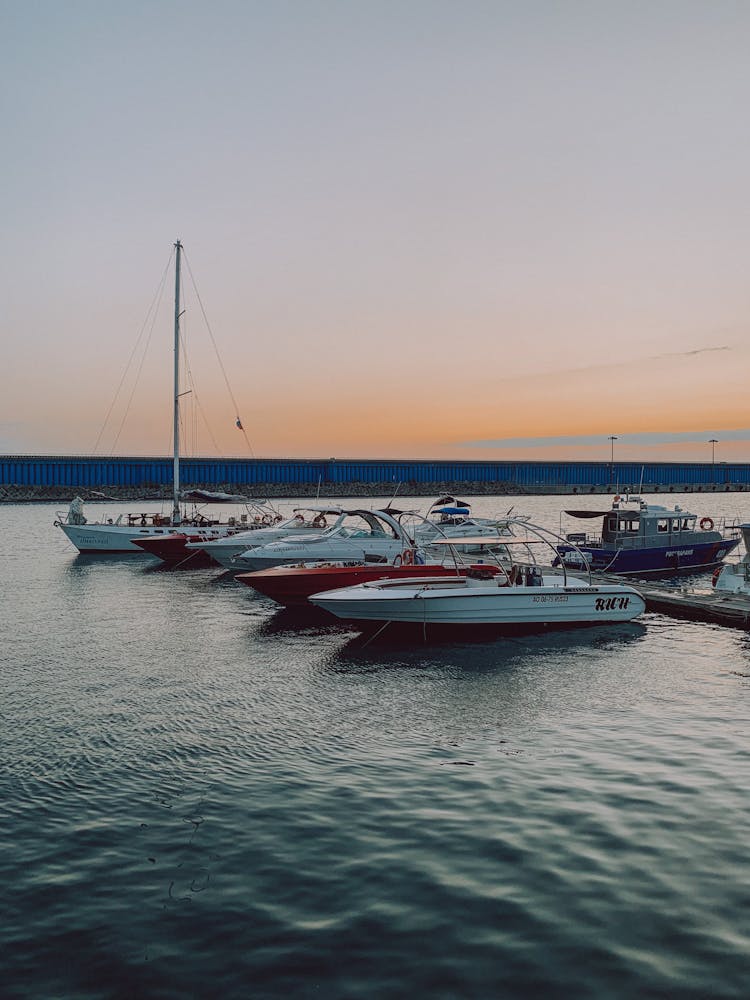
{"x":412,"y":228}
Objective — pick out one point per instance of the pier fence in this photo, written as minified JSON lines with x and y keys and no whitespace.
{"x":60,"y":477}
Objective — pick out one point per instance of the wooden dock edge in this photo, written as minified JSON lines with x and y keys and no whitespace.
{"x":719,"y":608}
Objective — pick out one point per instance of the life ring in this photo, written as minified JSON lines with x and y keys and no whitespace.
{"x":408,"y":558}
{"x":267,"y":519}
{"x":320,"y":521}
{"x":716,"y":575}
{"x":278,"y":519}
{"x":706,"y":524}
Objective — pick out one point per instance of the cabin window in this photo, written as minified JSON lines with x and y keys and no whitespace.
{"x":685,"y":524}
{"x":676,"y":524}
{"x":662,"y":524}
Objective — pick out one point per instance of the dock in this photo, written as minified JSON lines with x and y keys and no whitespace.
{"x":719,"y":607}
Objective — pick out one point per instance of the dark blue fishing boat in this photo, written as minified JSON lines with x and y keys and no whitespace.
{"x":641,"y":539}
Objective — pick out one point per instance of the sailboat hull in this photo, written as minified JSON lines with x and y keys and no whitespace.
{"x":109,"y":538}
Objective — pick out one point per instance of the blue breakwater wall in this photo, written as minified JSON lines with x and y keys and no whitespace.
{"x":150,"y":473}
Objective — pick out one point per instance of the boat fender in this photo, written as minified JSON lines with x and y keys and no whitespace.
{"x":408,"y":559}
{"x":716,"y":575}
{"x":706,"y":524}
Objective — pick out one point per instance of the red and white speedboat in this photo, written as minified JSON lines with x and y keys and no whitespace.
{"x":294,"y":585}
{"x":171,"y":547}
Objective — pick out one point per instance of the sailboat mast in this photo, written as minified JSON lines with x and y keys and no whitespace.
{"x":176,"y":460}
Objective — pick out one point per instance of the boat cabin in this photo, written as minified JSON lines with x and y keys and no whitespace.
{"x":649,"y":521}
{"x":646,"y":524}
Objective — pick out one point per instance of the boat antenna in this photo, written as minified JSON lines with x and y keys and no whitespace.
{"x":398,"y":487}
{"x":176,"y":518}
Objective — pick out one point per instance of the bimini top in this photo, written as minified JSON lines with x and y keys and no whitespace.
{"x":588,"y":513}
{"x":211,"y":496}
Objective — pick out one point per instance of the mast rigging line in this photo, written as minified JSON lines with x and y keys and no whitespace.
{"x":152,"y":312}
{"x":195,"y":395}
{"x":218,"y":356}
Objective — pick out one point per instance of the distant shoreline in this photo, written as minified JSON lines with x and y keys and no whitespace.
{"x":284,"y":491}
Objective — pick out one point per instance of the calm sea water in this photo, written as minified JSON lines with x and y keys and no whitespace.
{"x":204,"y":796}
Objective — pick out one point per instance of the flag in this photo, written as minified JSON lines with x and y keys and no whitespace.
{"x":238,"y":423}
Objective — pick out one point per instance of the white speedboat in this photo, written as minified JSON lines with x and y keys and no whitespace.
{"x":450,"y":518}
{"x":305,"y":521}
{"x":476,"y":601}
{"x":520,"y":596}
{"x":360,"y":535}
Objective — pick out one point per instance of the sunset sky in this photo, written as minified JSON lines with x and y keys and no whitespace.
{"x":417,"y":228}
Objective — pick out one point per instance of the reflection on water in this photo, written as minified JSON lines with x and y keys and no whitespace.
{"x":552,"y":643}
{"x":308,"y":621}
{"x":206,"y":795}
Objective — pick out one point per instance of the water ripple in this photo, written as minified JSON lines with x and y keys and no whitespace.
{"x":204,"y":795}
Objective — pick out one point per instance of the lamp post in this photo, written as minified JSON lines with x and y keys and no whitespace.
{"x":612,"y":439}
{"x":713,"y":442}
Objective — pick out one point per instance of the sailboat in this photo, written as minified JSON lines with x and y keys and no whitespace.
{"x":118,"y":535}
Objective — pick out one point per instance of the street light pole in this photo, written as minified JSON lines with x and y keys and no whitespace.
{"x":713,"y":442}
{"x":612,"y":439}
